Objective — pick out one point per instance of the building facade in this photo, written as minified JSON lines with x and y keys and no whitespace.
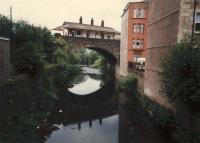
{"x":86,"y":30}
{"x":134,"y":34}
{"x":169,"y":22}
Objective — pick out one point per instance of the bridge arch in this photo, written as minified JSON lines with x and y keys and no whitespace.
{"x":108,"y":48}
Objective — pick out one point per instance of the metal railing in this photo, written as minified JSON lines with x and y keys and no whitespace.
{"x":136,"y":66}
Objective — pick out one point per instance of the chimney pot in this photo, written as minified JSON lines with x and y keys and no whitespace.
{"x":102,"y":23}
{"x":92,"y":21}
{"x":81,"y":20}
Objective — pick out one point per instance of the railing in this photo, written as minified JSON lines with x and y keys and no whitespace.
{"x":136,"y":66}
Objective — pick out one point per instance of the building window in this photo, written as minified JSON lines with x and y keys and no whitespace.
{"x":88,"y":34}
{"x":139,"y":13}
{"x":138,"y":28}
{"x":138,"y":44}
{"x":197,"y":22}
{"x":78,"y":33}
{"x":136,"y":56}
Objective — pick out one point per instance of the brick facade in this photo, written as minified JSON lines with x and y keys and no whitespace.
{"x":128,"y":35}
{"x":169,"y":22}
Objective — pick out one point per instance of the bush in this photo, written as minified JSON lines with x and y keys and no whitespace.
{"x":128,"y":84}
{"x":181,"y":73}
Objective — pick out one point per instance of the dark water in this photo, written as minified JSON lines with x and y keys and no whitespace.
{"x":97,"y":131}
{"x":88,"y":113}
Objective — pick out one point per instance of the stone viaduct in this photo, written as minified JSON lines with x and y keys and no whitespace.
{"x":108,"y":48}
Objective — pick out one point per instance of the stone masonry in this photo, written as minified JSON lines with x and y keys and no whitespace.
{"x":108,"y":48}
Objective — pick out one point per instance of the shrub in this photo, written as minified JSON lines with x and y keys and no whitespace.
{"x":181,"y":73}
{"x":128,"y":84}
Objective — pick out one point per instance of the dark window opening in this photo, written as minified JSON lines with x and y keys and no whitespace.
{"x":79,"y":33}
{"x":197,"y":27}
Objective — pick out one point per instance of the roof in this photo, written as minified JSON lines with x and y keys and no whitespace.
{"x":73,"y":25}
{"x":60,"y":28}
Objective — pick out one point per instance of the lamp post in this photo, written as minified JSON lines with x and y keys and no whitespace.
{"x":194,"y":16}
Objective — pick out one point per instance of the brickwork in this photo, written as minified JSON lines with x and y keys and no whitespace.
{"x":169,"y":22}
{"x":163,"y":23}
{"x":128,"y":34}
{"x":4,"y":58}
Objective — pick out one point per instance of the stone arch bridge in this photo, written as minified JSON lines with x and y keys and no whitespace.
{"x":109,"y":48}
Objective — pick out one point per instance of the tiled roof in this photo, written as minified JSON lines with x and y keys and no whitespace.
{"x":73,"y":25}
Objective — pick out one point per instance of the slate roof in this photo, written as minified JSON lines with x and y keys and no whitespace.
{"x":73,"y":25}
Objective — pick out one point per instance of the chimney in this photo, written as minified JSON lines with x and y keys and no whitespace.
{"x":81,"y":20}
{"x":102,"y":23}
{"x":92,"y":21}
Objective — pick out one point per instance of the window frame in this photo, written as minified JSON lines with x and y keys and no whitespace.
{"x":139,"y":13}
{"x":197,"y":22}
{"x":138,"y":46}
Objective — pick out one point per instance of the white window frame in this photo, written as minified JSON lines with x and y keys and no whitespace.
{"x":138,"y":28}
{"x":139,"y":13}
{"x":135,"y":58}
{"x":136,"y":45}
{"x":197,"y":12}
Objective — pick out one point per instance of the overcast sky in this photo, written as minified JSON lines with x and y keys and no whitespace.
{"x":52,"y":13}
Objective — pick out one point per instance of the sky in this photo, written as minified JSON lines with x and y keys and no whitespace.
{"x":52,"y":13}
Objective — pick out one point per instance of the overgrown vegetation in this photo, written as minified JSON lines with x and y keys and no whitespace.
{"x":42,"y":68}
{"x":181,"y":74}
{"x":129,"y":84}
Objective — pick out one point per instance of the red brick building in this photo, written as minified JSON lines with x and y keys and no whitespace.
{"x":134,"y":34}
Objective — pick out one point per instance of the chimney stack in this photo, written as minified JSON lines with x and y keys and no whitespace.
{"x":102,"y":23}
{"x":81,"y":20}
{"x":92,"y":21}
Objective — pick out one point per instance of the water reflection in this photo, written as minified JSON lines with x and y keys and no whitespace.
{"x":91,"y":84}
{"x":88,"y":132}
{"x":89,"y":81}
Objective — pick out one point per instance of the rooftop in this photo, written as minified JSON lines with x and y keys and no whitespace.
{"x":73,"y":25}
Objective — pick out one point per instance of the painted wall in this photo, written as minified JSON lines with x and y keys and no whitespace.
{"x":124,"y":44}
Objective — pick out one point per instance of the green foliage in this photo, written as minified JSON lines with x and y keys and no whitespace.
{"x":5,"y":26}
{"x":129,"y":84}
{"x":181,"y":73}
{"x":42,"y":67}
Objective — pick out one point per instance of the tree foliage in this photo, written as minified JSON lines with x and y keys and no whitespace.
{"x":181,"y":73}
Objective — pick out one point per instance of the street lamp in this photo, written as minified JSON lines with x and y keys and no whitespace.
{"x":194,"y":16}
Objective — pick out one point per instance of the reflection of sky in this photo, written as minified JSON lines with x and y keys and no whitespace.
{"x":107,"y":133}
{"x":86,"y":87}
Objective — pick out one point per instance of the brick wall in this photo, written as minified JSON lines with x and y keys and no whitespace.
{"x":4,"y":58}
{"x":163,"y":21}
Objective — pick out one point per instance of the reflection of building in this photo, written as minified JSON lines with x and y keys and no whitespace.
{"x":86,"y":30}
{"x":169,"y":21}
{"x":134,"y":34}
